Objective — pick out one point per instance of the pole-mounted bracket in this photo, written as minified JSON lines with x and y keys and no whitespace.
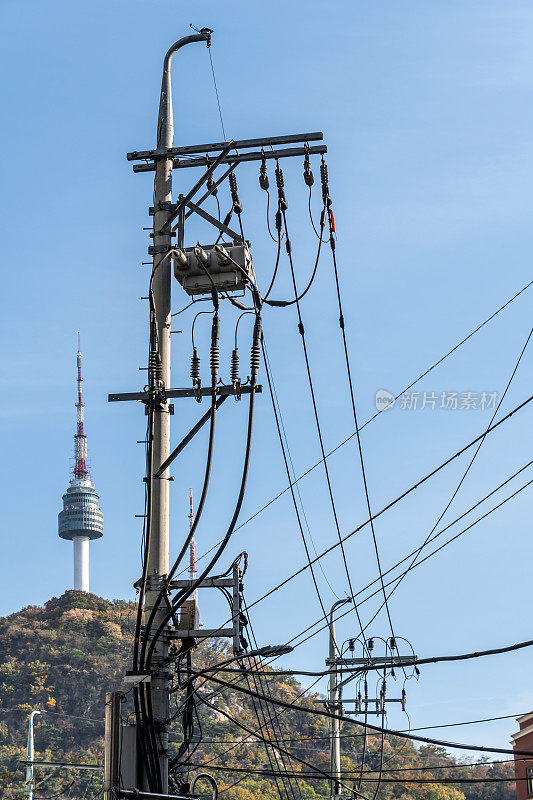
{"x":162,"y":232}
{"x":164,"y":205}
{"x":156,"y":249}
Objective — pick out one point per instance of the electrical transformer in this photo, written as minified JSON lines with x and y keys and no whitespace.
{"x":228,"y":267}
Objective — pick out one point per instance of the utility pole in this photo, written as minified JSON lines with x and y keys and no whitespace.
{"x":158,"y":553}
{"x":30,"y":753}
{"x":334,"y":704}
{"x":363,"y":704}
{"x":168,"y":603}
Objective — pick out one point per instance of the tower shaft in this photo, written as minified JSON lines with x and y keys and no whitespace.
{"x":81,"y":563}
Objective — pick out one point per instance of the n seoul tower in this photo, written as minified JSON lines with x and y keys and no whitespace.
{"x":81,"y":520}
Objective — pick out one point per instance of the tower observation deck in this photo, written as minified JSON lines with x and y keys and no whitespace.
{"x":81,"y":519}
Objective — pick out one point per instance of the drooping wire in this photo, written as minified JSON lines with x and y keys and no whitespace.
{"x":377,"y":728}
{"x":465,"y":473}
{"x":396,"y":397}
{"x":270,"y":751}
{"x":185,"y":593}
{"x":268,"y":216}
{"x":273,"y":719}
{"x":194,"y":323}
{"x":282,"y":207}
{"x":396,"y":500}
{"x":327,"y":211}
{"x":301,"y":331}
{"x":216,"y":92}
{"x":286,"y":459}
{"x":419,"y":563}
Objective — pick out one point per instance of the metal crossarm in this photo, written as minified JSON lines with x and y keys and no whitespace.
{"x":270,"y":141}
{"x":204,"y":392}
{"x":237,"y":159}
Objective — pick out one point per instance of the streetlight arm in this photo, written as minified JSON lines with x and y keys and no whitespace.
{"x":165,"y":121}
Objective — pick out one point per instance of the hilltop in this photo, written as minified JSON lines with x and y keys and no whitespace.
{"x":64,"y":657}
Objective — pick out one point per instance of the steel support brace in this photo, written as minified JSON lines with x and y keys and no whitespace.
{"x":186,"y":439}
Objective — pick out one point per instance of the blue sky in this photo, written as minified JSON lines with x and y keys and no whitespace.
{"x":427,"y":111}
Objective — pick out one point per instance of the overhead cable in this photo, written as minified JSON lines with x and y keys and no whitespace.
{"x":376,"y":728}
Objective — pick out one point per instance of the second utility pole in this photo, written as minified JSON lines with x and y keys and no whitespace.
{"x":334,"y":705}
{"x":158,"y":553}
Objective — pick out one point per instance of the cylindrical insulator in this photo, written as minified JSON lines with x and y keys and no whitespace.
{"x":237,"y":205}
{"x":282,"y":200}
{"x":255,"y":355}
{"x":324,"y":173}
{"x":308,"y":175}
{"x":215,"y":355}
{"x":155,"y":368}
{"x":255,"y":359}
{"x":215,"y":361}
{"x":263,"y":177}
{"x":235,"y":365}
{"x":195,"y":365}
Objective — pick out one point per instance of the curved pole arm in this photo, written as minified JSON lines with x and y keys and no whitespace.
{"x":332,"y":638}
{"x":165,"y":120}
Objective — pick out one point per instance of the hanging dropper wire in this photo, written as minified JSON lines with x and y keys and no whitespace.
{"x":214,"y":83}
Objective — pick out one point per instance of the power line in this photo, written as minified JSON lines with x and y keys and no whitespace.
{"x":463,"y":477}
{"x":397,"y":662}
{"x":286,"y":456}
{"x":325,"y":192}
{"x":449,"y":541}
{"x":277,"y":747}
{"x":376,"y":728}
{"x":396,"y":500}
{"x":397,"y":396}
{"x":301,"y":331}
{"x":358,"y":735}
{"x":216,"y":92}
{"x":314,"y":776}
{"x":380,"y":411}
{"x":317,"y":622}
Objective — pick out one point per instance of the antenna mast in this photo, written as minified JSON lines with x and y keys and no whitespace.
{"x":80,"y":440}
{"x":192,"y":549}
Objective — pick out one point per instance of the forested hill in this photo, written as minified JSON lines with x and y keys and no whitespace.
{"x":64,"y":657}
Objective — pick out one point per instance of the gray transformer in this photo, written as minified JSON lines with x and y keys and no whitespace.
{"x":228,"y":267}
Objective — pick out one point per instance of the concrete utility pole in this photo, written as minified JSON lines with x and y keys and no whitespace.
{"x":334,"y":704}
{"x":158,"y":555}
{"x":30,"y":756}
{"x":215,"y":270}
